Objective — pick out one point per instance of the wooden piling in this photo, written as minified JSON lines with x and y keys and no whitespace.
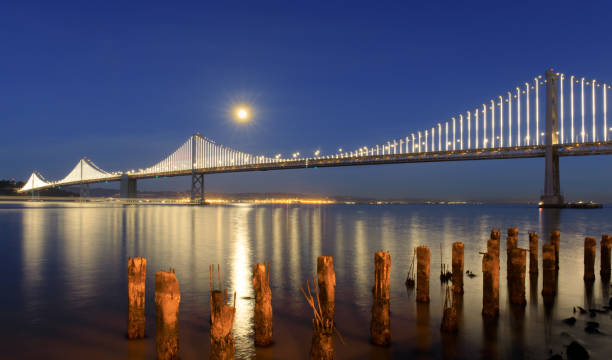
{"x":423,"y":267}
{"x":380,"y":328}
{"x":263,"y":305}
{"x":533,"y":253}
{"x":327,"y":287}
{"x":589,"y":258}
{"x":322,"y":346}
{"x":167,"y":301}
{"x":221,"y":321}
{"x":555,"y":240}
{"x":449,"y":316}
{"x":548,"y":269}
{"x":495,"y":234}
{"x":137,"y":275}
{"x":511,"y":243}
{"x":516,"y":276}
{"x":490,"y":285}
{"x":457,"y":265}
{"x":512,"y":239}
{"x":606,"y":244}
{"x":493,"y":243}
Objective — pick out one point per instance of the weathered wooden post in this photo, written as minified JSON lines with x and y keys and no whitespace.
{"x":322,"y":346}
{"x":493,"y":243}
{"x":511,"y":243}
{"x":167,"y":300}
{"x":449,"y":315}
{"x":533,"y":253}
{"x":555,"y":240}
{"x":457,"y":265}
{"x":606,"y":244}
{"x":589,"y":258}
{"x":326,"y":277}
{"x":549,"y":271}
{"x":380,"y":327}
{"x":263,"y":305}
{"x":221,"y":321}
{"x":516,"y":276}
{"x":137,"y":275}
{"x":490,"y":285}
{"x":423,"y":258}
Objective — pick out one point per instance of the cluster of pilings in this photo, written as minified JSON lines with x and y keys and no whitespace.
{"x":167,"y":294}
{"x":590,"y":245}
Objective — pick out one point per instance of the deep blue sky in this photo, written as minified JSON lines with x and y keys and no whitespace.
{"x":125,"y":83}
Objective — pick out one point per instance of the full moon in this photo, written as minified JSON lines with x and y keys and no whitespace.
{"x":242,"y":114}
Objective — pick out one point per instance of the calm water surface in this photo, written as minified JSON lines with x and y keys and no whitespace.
{"x":65,"y":283}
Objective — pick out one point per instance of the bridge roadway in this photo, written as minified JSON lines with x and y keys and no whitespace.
{"x":518,"y":152}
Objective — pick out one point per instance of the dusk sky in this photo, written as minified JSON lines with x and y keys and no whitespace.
{"x":125,"y":83}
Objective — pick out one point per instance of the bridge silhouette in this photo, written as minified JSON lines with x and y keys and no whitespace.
{"x":511,"y":126}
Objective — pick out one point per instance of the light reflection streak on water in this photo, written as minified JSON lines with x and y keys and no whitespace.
{"x":241,"y":274}
{"x":34,"y":225}
{"x":339,"y":240}
{"x":294,"y":246}
{"x":277,"y":239}
{"x":361,"y":262}
{"x":316,"y":233}
{"x":260,"y":229}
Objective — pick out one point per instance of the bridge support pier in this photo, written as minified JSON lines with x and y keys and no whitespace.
{"x":127,"y":188}
{"x":197,"y":188}
{"x":84,"y":191}
{"x":552,"y":186}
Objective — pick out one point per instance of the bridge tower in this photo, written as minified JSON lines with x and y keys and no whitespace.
{"x":127,"y":187}
{"x":552,"y":187}
{"x":197,"y":180}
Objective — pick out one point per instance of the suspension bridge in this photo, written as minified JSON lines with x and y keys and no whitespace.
{"x":549,"y":116}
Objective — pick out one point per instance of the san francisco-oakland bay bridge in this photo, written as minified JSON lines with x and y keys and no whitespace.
{"x":550,"y":116}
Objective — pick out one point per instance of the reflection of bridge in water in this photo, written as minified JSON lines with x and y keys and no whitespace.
{"x":509,"y":127}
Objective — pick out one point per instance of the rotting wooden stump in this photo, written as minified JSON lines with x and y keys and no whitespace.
{"x":322,"y":346}
{"x":167,"y":301}
{"x":493,"y":243}
{"x":221,"y":320}
{"x":555,"y":240}
{"x":263,"y":305}
{"x":548,"y":270}
{"x":221,"y":326}
{"x":511,"y":243}
{"x":606,"y":244}
{"x":423,"y":267}
{"x":512,"y":239}
{"x":326,"y":277}
{"x":380,"y":326}
{"x":516,"y":276}
{"x":457,"y":266}
{"x":533,"y":253}
{"x":490,"y":285}
{"x":589,"y":258}
{"x":449,"y":315}
{"x":137,"y":275}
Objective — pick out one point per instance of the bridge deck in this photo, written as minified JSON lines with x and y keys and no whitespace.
{"x":522,"y":152}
